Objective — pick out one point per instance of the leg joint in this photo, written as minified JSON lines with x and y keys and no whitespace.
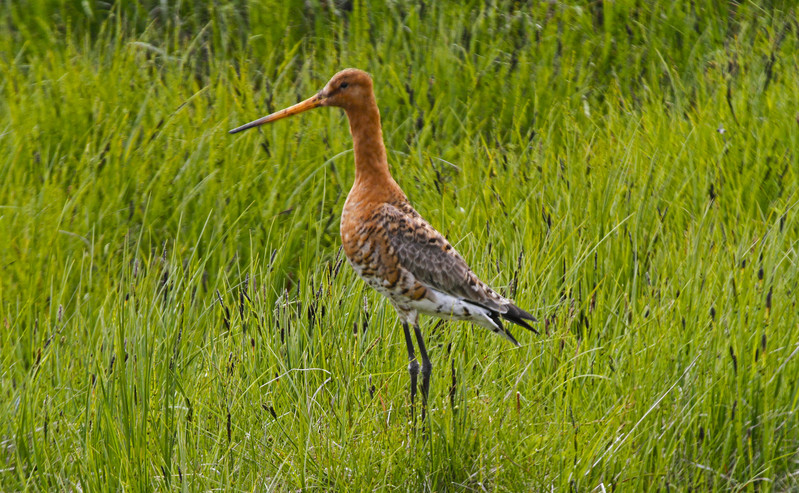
{"x":427,"y":367}
{"x":413,"y":367}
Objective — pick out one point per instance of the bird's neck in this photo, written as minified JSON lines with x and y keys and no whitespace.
{"x":371,"y":165}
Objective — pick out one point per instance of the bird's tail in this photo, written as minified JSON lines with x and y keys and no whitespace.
{"x":491,"y":318}
{"x":501,"y":330}
{"x":519,"y":317}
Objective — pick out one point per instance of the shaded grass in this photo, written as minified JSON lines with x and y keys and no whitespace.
{"x":176,"y":313}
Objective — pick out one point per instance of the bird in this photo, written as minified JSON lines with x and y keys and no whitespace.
{"x":388,"y":243}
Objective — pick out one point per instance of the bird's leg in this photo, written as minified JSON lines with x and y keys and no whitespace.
{"x":426,"y":368}
{"x":413,"y":367}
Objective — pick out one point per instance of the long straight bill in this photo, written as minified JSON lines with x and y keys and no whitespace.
{"x":308,"y":104}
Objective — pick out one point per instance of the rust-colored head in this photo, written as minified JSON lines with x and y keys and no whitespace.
{"x":348,"y":89}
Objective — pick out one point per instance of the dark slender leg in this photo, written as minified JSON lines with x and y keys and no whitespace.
{"x":413,"y":368}
{"x":426,"y":368}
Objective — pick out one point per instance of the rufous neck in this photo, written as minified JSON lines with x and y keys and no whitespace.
{"x":371,"y":165}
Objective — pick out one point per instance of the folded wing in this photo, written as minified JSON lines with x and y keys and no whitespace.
{"x":426,"y":254}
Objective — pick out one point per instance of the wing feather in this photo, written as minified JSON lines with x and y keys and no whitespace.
{"x":426,"y":254}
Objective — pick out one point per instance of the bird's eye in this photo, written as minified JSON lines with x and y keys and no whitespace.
{"x":343,"y":85}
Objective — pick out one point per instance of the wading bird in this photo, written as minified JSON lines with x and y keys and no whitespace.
{"x":388,"y":243}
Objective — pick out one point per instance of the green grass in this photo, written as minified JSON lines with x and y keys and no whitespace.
{"x":175,"y":312}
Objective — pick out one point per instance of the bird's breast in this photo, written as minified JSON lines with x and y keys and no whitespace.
{"x":366,"y":244}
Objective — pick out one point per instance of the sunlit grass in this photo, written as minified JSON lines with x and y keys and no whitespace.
{"x":176,"y":312}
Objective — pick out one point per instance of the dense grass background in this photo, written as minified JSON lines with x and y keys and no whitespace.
{"x":175,"y":312}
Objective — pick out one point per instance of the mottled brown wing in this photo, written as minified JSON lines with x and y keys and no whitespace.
{"x":426,"y":254}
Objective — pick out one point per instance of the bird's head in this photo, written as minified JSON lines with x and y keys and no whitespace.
{"x":348,"y":89}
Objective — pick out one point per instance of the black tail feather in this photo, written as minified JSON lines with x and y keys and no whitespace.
{"x":518,"y":316}
{"x":505,"y":332}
